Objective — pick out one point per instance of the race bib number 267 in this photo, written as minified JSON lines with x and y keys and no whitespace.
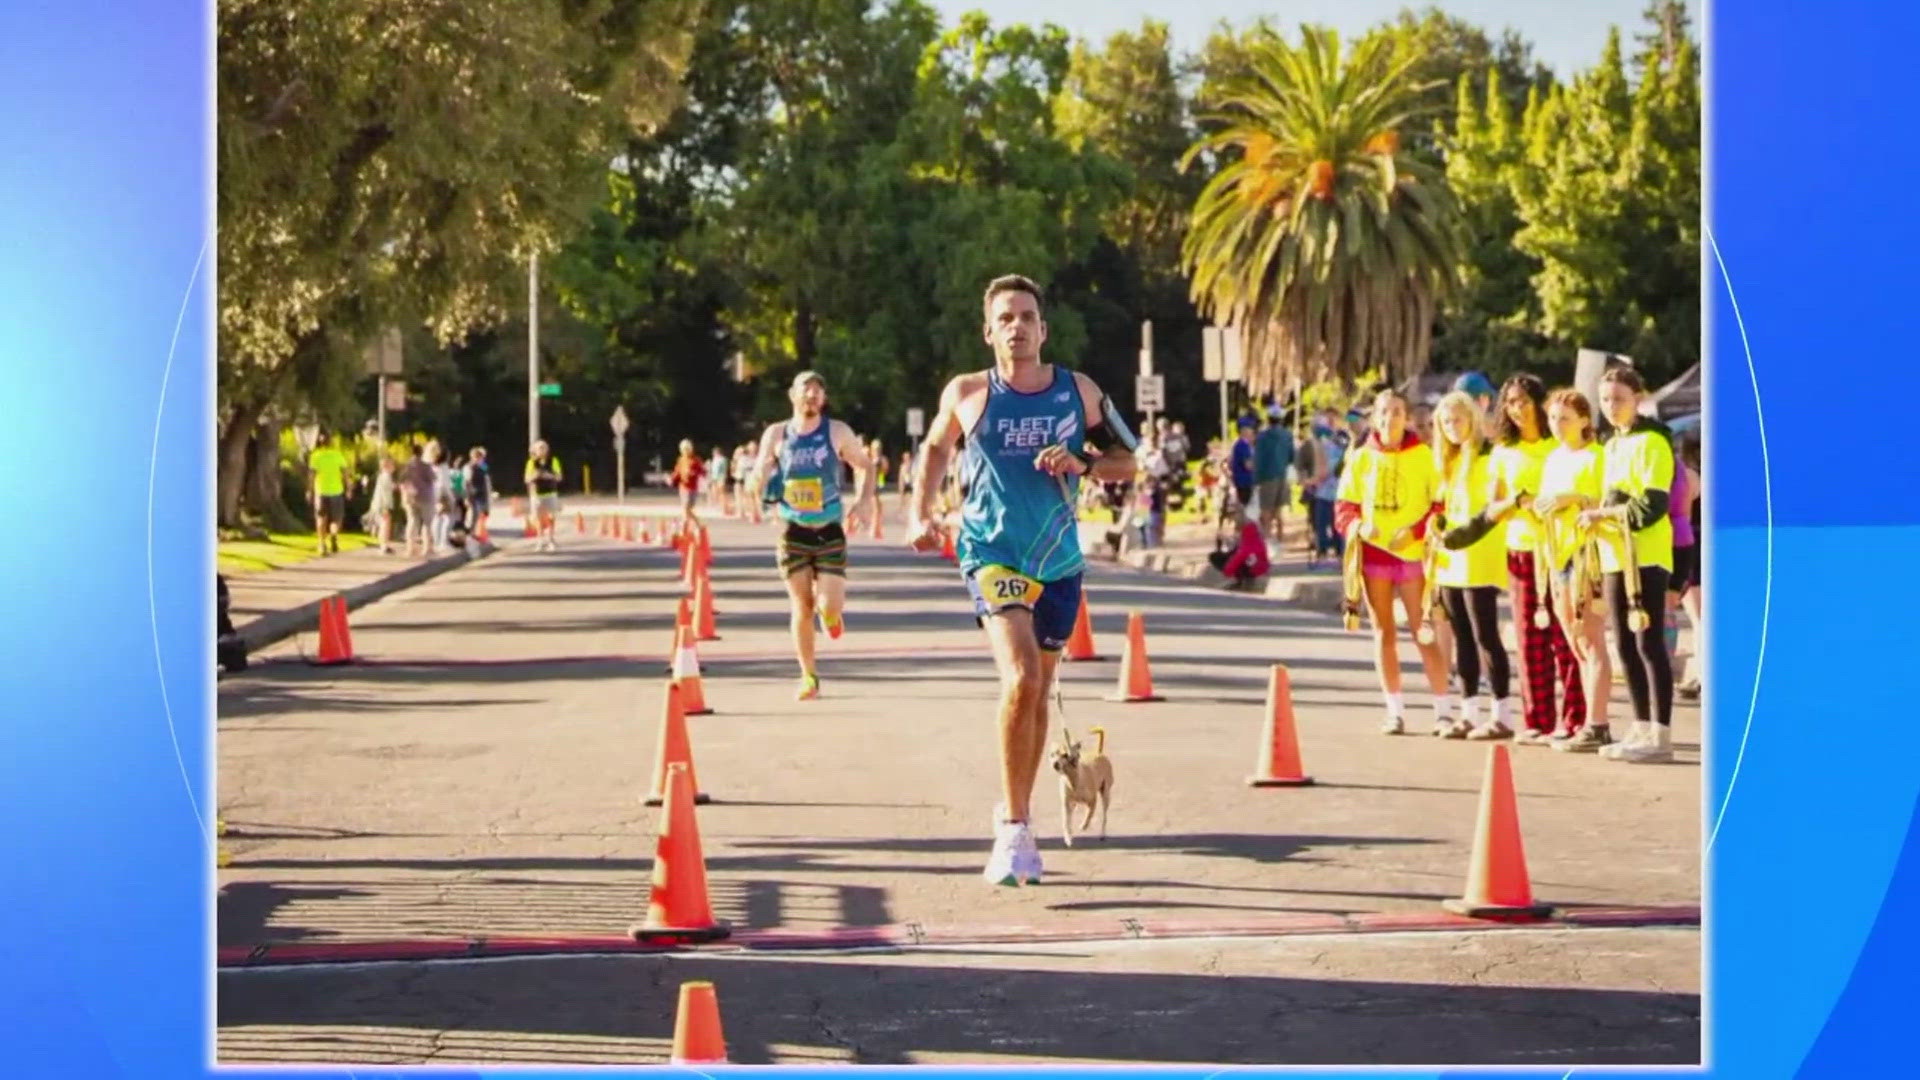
{"x":1007,"y":588}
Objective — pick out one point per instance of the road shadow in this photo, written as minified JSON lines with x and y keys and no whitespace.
{"x":607,"y":1010}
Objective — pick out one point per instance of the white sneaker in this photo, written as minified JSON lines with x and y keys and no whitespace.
{"x":1654,"y":748}
{"x":1006,"y":842}
{"x":1393,"y":725}
{"x":1635,"y":735}
{"x":1026,"y":857}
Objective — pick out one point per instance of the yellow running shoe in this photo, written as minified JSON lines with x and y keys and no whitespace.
{"x":809,"y":688}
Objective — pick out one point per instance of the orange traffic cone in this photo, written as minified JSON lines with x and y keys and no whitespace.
{"x":336,"y":639}
{"x":1080,"y":642}
{"x":1136,"y":681}
{"x":696,"y":1029}
{"x":686,"y":675}
{"x":1280,"y":750}
{"x":1497,"y":886}
{"x":530,"y":530}
{"x":646,"y":531}
{"x":481,"y":533}
{"x":626,"y":529}
{"x":947,"y":549}
{"x":678,"y":908}
{"x":674,"y":749}
{"x":580,"y":523}
{"x":703,"y":595}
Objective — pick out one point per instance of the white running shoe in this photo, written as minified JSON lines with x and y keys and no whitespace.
{"x":1006,"y":841}
{"x":1026,"y":856}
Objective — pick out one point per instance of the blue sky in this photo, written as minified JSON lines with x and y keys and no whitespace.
{"x":1566,"y":34}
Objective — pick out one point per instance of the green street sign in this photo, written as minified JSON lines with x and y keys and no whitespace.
{"x":549,"y":389}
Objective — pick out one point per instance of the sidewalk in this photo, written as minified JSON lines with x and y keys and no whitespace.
{"x":1184,"y":555}
{"x":272,"y":605}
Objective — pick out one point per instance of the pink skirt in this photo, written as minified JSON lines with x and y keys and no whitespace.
{"x":1377,"y":565}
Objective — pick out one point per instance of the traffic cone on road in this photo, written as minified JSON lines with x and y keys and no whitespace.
{"x":686,"y":675}
{"x":697,"y":1039}
{"x":1280,"y":749}
{"x":678,"y":908}
{"x":1497,"y":885}
{"x":529,"y":529}
{"x":580,"y":523}
{"x":674,"y":749}
{"x":1080,"y":642}
{"x":336,"y":639}
{"x":703,"y":604}
{"x":1136,"y":680}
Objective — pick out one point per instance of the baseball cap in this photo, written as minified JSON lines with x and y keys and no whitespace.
{"x":805,"y":377}
{"x":1248,"y":422}
{"x":1474,"y":384}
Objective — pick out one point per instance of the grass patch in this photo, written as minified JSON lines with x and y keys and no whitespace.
{"x":278,"y":550}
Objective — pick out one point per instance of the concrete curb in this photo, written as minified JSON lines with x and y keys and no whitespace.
{"x":279,"y":625}
{"x":1317,"y":593}
{"x":905,"y":937}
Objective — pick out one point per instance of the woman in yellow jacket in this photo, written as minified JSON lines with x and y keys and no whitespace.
{"x":1385,"y":503}
{"x":1569,"y":484}
{"x":1471,"y":568}
{"x":1551,"y":670}
{"x":1637,"y":471}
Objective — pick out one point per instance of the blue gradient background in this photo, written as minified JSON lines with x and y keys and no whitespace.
{"x":108,"y":852}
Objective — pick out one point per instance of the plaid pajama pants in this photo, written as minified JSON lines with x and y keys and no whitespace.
{"x":1548,"y":656}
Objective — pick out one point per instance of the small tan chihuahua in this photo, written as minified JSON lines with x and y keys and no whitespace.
{"x":1084,"y":782}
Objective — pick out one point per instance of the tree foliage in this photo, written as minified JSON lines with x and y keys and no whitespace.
{"x":1320,"y":237}
{"x":771,"y":185}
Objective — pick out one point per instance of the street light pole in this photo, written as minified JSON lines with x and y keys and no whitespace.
{"x":533,"y":351}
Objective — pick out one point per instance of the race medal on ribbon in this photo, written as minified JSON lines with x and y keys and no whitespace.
{"x":805,"y":494}
{"x":1007,"y":588}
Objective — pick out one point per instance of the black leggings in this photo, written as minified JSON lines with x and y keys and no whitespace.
{"x":1645,"y":652}
{"x":1474,"y":615}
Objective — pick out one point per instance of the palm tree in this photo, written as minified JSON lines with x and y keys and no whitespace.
{"x":1323,"y":240}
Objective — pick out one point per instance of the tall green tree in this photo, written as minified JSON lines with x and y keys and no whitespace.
{"x":1608,"y":190}
{"x":385,"y":163}
{"x":1321,"y":237}
{"x":1126,"y":100}
{"x":1489,"y":323}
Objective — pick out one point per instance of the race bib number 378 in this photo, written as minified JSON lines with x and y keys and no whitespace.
{"x":1007,"y":588}
{"x":806,"y":494}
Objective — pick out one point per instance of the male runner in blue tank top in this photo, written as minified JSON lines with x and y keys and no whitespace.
{"x":812,"y":552}
{"x":1026,"y":425}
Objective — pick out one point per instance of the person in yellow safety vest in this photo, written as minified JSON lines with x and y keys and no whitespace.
{"x":543,"y":492}
{"x":327,"y":477}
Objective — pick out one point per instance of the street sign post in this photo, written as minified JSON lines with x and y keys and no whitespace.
{"x":1150,"y":393}
{"x":1222,"y":362}
{"x":549,"y":389}
{"x":619,"y":423}
{"x":916,"y":423}
{"x":384,"y":358}
{"x":394,"y":398}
